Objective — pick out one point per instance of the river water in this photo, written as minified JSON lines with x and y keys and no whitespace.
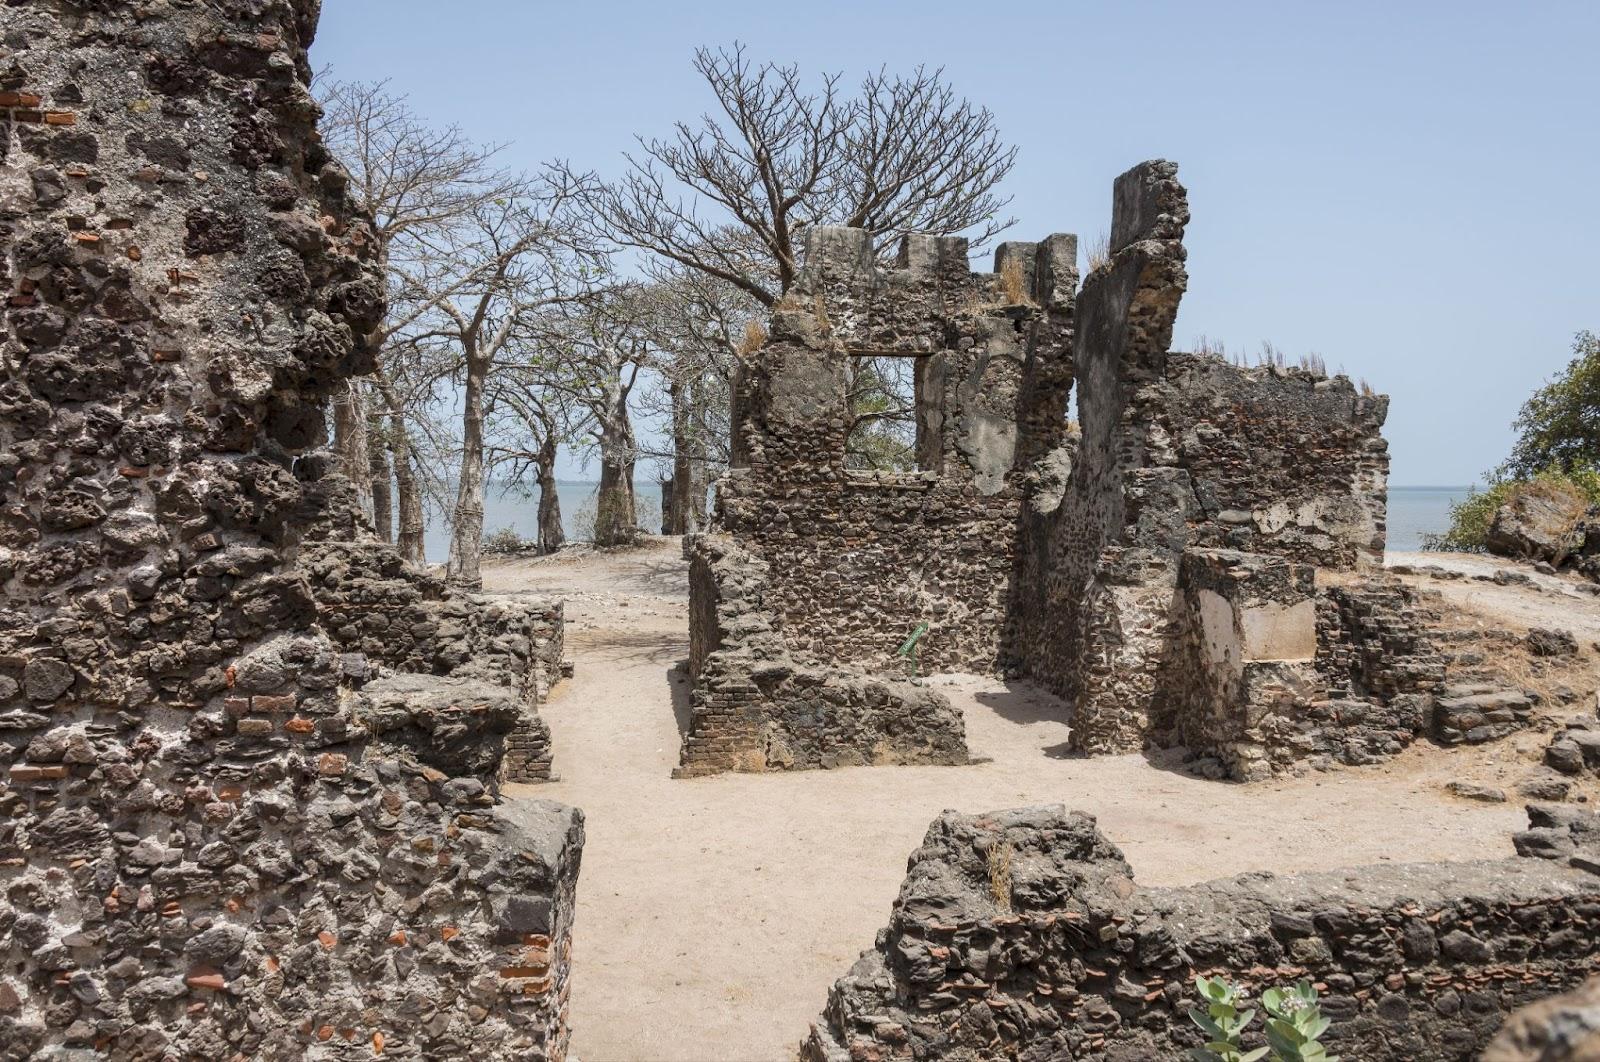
{"x":1413,"y":511}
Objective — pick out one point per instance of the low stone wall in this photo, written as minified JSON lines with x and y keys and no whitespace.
{"x":371,"y":601}
{"x":758,"y":706}
{"x":1022,"y":935}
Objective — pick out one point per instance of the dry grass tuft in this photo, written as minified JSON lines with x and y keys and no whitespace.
{"x":1000,"y":875}
{"x":755,"y":336}
{"x":1099,"y":252}
{"x":1012,"y":284}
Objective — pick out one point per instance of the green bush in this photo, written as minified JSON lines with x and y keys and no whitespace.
{"x":1471,"y":516}
{"x":1294,"y":1024}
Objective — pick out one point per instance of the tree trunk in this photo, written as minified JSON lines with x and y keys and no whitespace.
{"x":552,"y":536}
{"x":674,"y":503}
{"x":466,"y":539}
{"x":615,"y":522}
{"x":382,"y":483}
{"x":692,"y":490}
{"x":350,"y":443}
{"x":408,"y":497}
{"x":669,"y":508}
{"x":410,"y":537}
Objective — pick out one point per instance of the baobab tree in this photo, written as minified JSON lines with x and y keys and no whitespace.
{"x":532,"y":422}
{"x":730,"y":197}
{"x":903,"y":154}
{"x":419,"y":182}
{"x":515,"y":258}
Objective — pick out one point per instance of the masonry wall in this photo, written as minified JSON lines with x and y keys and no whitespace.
{"x":854,"y":562}
{"x":1282,"y":461}
{"x":370,"y":601}
{"x":220,"y":836}
{"x":858,"y":559}
{"x":1023,"y":935}
{"x":758,"y":706}
{"x":1178,"y":452}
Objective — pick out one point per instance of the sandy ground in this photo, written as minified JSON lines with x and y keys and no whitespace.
{"x":714,"y":913}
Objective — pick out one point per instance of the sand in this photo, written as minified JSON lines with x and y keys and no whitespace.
{"x":714,"y":913}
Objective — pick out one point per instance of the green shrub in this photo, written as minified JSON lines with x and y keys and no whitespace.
{"x":1294,"y":1024}
{"x":1471,"y":516}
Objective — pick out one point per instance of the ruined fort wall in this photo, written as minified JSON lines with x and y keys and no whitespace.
{"x":1023,"y":935}
{"x":217,"y":843}
{"x":370,"y":601}
{"x":858,"y":558}
{"x":1182,"y":452}
{"x":1283,"y":461}
{"x":758,"y":706}
{"x":1111,"y":547}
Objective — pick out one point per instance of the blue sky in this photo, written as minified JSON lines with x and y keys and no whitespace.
{"x":1406,"y":189}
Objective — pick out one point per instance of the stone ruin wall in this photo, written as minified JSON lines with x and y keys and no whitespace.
{"x":859,"y":558}
{"x":371,"y":602}
{"x":1029,"y":547}
{"x":222,"y":838}
{"x":756,"y":706}
{"x":796,"y":666}
{"x":1183,"y":458}
{"x":1023,"y":935}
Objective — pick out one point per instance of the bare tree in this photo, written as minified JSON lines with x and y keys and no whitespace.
{"x":904,"y":154}
{"x":596,"y":354}
{"x":701,"y":328}
{"x":535,"y":421}
{"x":511,"y":258}
{"x":419,"y":181}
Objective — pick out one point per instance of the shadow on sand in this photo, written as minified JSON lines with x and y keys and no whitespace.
{"x":679,"y":682}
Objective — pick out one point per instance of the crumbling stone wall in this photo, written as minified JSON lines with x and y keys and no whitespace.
{"x":370,"y":601}
{"x":1075,"y":554}
{"x":1181,"y":455}
{"x":758,"y":705}
{"x":215,"y":842}
{"x":859,"y":558}
{"x":1023,"y":935}
{"x":854,"y":561}
{"x":1282,"y":460}
{"x":1243,"y":661}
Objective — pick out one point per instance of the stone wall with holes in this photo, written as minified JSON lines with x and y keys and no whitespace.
{"x":221,"y":836}
{"x":1023,"y":935}
{"x":855,"y":560}
{"x":403,"y":619}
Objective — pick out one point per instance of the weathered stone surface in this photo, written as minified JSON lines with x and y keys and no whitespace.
{"x":1544,"y":641}
{"x":1564,"y":1028}
{"x":1539,"y":522}
{"x":213,"y":846}
{"x":1022,"y":935}
{"x":375,"y":605}
{"x":759,"y":705}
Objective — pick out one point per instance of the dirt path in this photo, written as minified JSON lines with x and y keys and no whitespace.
{"x":714,"y":913}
